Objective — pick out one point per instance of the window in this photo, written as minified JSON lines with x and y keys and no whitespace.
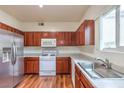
{"x":112,"y":28}
{"x":108,"y":30}
{"x":121,"y":25}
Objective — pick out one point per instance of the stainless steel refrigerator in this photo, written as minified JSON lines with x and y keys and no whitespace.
{"x":11,"y":59}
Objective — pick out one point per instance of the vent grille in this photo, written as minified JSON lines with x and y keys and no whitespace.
{"x":40,"y":24}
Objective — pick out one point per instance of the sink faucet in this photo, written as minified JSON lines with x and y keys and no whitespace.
{"x":105,"y":62}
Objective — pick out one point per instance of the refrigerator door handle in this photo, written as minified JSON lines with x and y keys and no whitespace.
{"x":12,"y":54}
{"x":15,"y":51}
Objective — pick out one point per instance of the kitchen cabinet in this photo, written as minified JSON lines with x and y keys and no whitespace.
{"x":10,"y":29}
{"x":63,"y":65}
{"x":85,"y":33}
{"x":32,"y":38}
{"x":85,"y":81}
{"x":89,"y":32}
{"x":80,"y":80}
{"x":83,"y":36}
{"x":73,"y":38}
{"x":77,"y":77}
{"x":65,"y":38}
{"x":28,"y":39}
{"x":48,"y":34}
{"x":37,"y":39}
{"x":31,"y":65}
{"x":60,"y":39}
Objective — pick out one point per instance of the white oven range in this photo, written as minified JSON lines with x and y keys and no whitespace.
{"x":48,"y":62}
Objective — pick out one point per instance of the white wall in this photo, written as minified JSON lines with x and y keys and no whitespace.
{"x":8,"y":19}
{"x":50,"y":26}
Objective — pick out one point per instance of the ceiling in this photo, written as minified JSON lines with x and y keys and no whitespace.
{"x":48,"y":13}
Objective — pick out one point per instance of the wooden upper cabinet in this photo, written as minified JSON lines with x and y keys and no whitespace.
{"x":73,"y":38}
{"x":85,"y":33}
{"x":77,"y":37}
{"x":37,"y":39}
{"x":65,"y":38}
{"x":89,"y":32}
{"x":82,"y":34}
{"x":48,"y":34}
{"x":60,"y":39}
{"x":32,"y":38}
{"x":28,"y":39}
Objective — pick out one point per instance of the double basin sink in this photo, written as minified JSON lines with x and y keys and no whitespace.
{"x":96,"y":70}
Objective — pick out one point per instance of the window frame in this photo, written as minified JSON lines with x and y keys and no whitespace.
{"x":117,"y":28}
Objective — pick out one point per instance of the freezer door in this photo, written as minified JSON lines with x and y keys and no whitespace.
{"x":6,"y":67}
{"x":19,"y":61}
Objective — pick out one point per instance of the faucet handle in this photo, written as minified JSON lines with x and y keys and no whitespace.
{"x":97,"y":58}
{"x":107,"y":60}
{"x":108,"y":63}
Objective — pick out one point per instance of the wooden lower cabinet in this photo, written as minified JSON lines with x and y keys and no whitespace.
{"x":63,"y":65}
{"x":80,"y":80}
{"x":77,"y":81}
{"x":31,"y":65}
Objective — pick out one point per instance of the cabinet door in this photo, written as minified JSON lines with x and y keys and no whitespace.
{"x":29,"y":67}
{"x":37,"y":39}
{"x":48,"y":35}
{"x":60,"y":39}
{"x":36,"y":67}
{"x":85,"y":81}
{"x":70,"y":39}
{"x":81,"y":85}
{"x":89,"y":32}
{"x":52,"y":34}
{"x":62,"y":65}
{"x":45,"y":35}
{"x":28,"y":39}
{"x":77,"y":81}
{"x":78,"y":38}
{"x":82,"y":34}
{"x":65,"y":68}
{"x":59,"y":67}
{"x":73,"y":38}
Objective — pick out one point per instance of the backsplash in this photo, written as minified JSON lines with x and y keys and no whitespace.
{"x":68,"y":49}
{"x":28,"y":50}
{"x":62,"y":50}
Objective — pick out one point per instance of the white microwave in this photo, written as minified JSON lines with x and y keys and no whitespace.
{"x":48,"y":42}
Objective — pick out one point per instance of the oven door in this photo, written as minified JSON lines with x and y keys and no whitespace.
{"x":47,"y":65}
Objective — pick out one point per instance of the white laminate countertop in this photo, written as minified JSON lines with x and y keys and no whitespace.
{"x":100,"y":82}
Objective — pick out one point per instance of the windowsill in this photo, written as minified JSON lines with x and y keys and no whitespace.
{"x":114,"y":50}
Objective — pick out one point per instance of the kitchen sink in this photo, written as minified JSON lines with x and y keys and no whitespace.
{"x":95,"y":71}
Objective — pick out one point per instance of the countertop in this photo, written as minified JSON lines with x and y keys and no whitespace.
{"x":99,"y":82}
